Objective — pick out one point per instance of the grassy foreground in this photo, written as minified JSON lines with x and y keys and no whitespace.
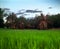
{"x":29,"y":39}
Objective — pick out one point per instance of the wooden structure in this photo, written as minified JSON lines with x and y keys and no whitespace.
{"x":43,"y":22}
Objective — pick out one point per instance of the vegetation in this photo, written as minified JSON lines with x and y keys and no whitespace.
{"x":29,"y":39}
{"x":52,"y":21}
{"x":3,"y":14}
{"x":38,"y":22}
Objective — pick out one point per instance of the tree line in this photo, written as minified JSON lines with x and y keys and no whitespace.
{"x":38,"y":22}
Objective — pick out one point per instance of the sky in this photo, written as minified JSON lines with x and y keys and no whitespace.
{"x":43,"y":5}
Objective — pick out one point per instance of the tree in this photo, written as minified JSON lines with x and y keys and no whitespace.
{"x":54,"y":21}
{"x":21,"y":22}
{"x":1,"y":18}
{"x":11,"y":20}
{"x":2,"y":15}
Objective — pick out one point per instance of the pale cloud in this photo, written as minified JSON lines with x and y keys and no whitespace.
{"x":16,"y":5}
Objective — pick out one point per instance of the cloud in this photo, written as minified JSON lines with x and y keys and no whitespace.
{"x":33,"y":11}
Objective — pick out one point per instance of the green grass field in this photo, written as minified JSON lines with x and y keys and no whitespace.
{"x":29,"y":39}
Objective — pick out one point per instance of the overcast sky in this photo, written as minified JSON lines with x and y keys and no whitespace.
{"x":16,"y":5}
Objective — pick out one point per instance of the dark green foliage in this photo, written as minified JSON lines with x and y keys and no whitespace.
{"x":2,"y":15}
{"x":1,"y":23}
{"x":55,"y":20}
